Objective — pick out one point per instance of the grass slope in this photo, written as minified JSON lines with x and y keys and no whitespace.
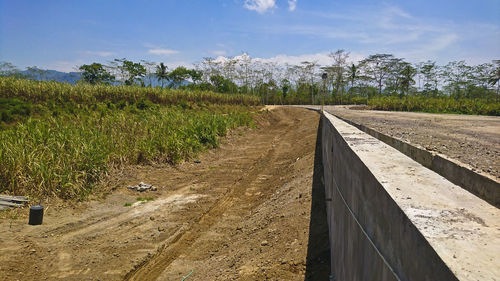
{"x":58,"y":139}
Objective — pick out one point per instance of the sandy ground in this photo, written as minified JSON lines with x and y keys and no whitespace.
{"x":252,"y":209}
{"x":469,"y":139}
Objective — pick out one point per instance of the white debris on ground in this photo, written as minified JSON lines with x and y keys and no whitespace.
{"x":142,"y":187}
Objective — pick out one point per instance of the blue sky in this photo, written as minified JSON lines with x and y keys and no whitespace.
{"x":63,"y":34}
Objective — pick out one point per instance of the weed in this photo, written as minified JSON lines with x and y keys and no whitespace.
{"x":127,"y":204}
{"x":12,"y":109}
{"x":145,"y":199}
{"x":13,"y":216}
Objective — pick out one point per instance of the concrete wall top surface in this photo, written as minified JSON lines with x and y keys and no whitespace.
{"x":463,"y":229}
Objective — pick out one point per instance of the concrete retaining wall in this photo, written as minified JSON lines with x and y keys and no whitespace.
{"x":481,"y":185}
{"x":389,"y":217}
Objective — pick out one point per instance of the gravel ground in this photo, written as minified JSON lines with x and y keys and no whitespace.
{"x":469,"y":139}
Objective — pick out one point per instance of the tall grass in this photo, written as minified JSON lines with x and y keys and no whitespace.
{"x":43,"y":91}
{"x":72,"y":138}
{"x":436,"y":105}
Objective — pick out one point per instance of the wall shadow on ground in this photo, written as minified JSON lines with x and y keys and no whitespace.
{"x":318,"y":248}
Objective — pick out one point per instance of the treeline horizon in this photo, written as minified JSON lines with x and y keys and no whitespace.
{"x":376,"y":76}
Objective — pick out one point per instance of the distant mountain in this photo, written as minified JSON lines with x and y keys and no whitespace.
{"x":54,"y":75}
{"x":73,"y":77}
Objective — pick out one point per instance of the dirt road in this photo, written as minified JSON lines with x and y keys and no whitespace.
{"x":252,"y":209}
{"x":470,"y":139}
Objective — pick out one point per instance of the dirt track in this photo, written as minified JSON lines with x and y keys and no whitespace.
{"x":243,"y":213}
{"x":471,"y":139}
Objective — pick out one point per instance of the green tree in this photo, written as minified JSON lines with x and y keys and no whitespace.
{"x":150,"y":68}
{"x":285,"y":87}
{"x":177,"y":76}
{"x":494,"y":78}
{"x":430,"y":71}
{"x":8,"y":69}
{"x":161,"y":73}
{"x":195,"y":75}
{"x":129,"y":71}
{"x":394,"y":77}
{"x":407,"y":74}
{"x":377,"y":68}
{"x":37,"y":73}
{"x":338,"y":68}
{"x":456,"y":74}
{"x":309,"y":70}
{"x":352,"y":74}
{"x":96,"y":73}
{"x":221,"y":84}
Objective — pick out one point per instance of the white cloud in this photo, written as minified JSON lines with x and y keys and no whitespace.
{"x":443,"y":42}
{"x":100,"y":53}
{"x":292,"y":4}
{"x":162,"y":52}
{"x":390,"y":29}
{"x":385,"y":26}
{"x":260,"y":6}
{"x":174,"y":64}
{"x":396,"y":11}
{"x":219,"y":53}
{"x":322,"y":31}
{"x":430,"y":50}
{"x":321,"y":58}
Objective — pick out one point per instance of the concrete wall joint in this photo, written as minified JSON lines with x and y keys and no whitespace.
{"x":364,"y":231}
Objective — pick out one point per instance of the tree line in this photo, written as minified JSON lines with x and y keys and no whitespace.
{"x":378,"y":75}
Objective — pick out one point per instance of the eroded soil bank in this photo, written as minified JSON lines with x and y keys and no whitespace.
{"x":252,"y":209}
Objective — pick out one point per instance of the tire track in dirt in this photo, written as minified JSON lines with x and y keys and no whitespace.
{"x":81,"y":224}
{"x":152,"y":268}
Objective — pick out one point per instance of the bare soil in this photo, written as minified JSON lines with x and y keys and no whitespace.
{"x":252,"y":209}
{"x":470,"y":139}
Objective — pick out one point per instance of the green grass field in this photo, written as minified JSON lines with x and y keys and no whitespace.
{"x":59,"y":140}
